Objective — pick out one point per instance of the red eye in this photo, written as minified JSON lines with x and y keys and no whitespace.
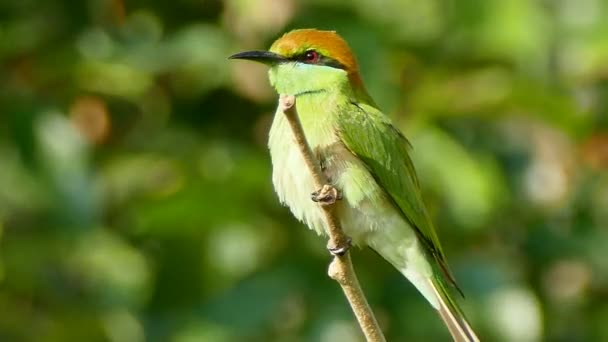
{"x":311,"y":56}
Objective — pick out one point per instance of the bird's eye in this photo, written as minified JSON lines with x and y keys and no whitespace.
{"x":311,"y":56}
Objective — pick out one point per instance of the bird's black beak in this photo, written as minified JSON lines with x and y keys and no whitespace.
{"x":265,"y":57}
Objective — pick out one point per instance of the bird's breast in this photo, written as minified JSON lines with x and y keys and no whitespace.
{"x":363,"y":207}
{"x":291,"y":176}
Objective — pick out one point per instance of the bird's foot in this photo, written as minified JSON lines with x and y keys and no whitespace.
{"x":327,"y":195}
{"x":340,"y":250}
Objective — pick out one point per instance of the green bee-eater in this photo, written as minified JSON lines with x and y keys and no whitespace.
{"x":362,"y":154}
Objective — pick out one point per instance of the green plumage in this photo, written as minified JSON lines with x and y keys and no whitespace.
{"x":371,"y":136}
{"x":363,"y":156}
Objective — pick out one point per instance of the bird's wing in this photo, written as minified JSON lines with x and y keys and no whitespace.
{"x":371,"y":136}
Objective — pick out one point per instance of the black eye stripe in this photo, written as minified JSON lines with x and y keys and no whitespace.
{"x":306,"y":56}
{"x":322,"y":60}
{"x":331,"y":63}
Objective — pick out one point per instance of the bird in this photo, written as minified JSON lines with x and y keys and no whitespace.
{"x":362,"y":155}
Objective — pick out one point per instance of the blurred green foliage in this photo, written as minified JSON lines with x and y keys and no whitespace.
{"x":135,"y":193}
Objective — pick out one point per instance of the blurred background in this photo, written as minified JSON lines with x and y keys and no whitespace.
{"x":135,"y":194}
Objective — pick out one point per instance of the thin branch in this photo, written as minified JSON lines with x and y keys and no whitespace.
{"x":341,"y":268}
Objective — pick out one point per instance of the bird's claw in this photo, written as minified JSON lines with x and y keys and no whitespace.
{"x":327,"y":195}
{"x":340,"y":250}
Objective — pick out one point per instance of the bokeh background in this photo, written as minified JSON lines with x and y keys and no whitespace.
{"x":135,"y":194}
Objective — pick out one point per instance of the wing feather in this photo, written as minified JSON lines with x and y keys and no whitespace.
{"x":371,"y":136}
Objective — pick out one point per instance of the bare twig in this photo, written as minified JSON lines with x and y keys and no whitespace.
{"x":341,"y":268}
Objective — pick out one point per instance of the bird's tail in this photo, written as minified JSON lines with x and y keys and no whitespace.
{"x":451,"y":314}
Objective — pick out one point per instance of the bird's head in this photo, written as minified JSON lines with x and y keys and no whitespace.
{"x":307,"y":61}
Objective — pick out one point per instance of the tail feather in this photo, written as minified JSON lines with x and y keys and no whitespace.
{"x":452,"y":316}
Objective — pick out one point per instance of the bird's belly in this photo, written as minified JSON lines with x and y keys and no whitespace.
{"x":365,"y":212}
{"x":364,"y":207}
